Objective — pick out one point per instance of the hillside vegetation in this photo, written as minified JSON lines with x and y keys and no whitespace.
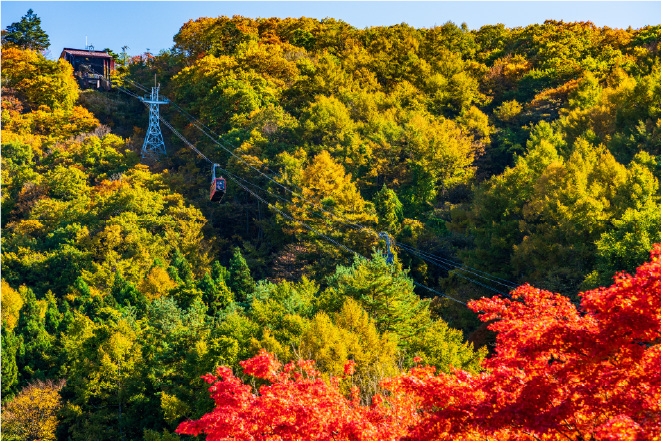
{"x":529,"y":155}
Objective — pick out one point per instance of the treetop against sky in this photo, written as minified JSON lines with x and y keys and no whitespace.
{"x":151,"y":25}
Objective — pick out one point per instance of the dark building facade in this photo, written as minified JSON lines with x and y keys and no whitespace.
{"x":91,"y":68}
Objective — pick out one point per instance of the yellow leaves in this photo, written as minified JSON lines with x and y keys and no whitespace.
{"x":270,"y":61}
{"x":156,"y":284}
{"x":140,"y":176}
{"x":475,"y":123}
{"x":326,"y":344}
{"x":271,"y":344}
{"x":32,"y":415}
{"x":440,"y":148}
{"x":12,"y":302}
{"x":324,"y":178}
{"x":27,"y":228}
{"x":173,"y":408}
{"x":56,"y":124}
{"x":109,"y":239}
{"x":292,"y":165}
{"x":325,"y":182}
{"x":506,"y":71}
{"x":40,"y":81}
{"x":508,"y":111}
{"x":251,"y":153}
{"x":368,"y":347}
{"x":350,"y":335}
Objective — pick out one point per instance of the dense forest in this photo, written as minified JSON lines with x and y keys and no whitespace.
{"x":493,"y":159}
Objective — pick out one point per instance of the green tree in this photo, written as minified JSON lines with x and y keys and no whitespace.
{"x":34,"y":356}
{"x":627,"y":245}
{"x":384,"y":291}
{"x":10,"y":346}
{"x":27,"y":33}
{"x":240,"y":281}
{"x":215,"y":293}
{"x":126,"y":294}
{"x":389,"y":210}
{"x":282,"y":311}
{"x":53,"y":317}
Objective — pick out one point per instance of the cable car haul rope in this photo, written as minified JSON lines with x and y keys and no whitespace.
{"x":219,"y":187}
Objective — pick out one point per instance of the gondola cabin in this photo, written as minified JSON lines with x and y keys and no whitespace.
{"x":217,"y":189}
{"x":91,"y":68}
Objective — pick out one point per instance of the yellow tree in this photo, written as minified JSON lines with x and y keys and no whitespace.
{"x":12,"y":302}
{"x":351,"y":335}
{"x":32,"y":415}
{"x":11,"y":306}
{"x":331,"y":201}
{"x":39,"y":81}
{"x":439,"y":153}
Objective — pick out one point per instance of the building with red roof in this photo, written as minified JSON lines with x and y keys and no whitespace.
{"x":91,"y":68}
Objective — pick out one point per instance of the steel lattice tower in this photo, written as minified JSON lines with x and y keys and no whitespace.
{"x":153,"y":144}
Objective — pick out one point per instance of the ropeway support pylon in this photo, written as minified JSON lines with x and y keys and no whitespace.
{"x":154,"y":145}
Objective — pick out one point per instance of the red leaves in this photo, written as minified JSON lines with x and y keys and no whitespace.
{"x":296,"y":405}
{"x":349,"y":368}
{"x":232,"y":398}
{"x":619,"y":428}
{"x":263,"y":366}
{"x":630,"y":310}
{"x":558,"y":373}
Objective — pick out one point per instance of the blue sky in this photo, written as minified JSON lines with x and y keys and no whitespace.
{"x":151,"y":25}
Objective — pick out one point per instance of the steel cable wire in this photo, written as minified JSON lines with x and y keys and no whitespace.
{"x":343,"y":220}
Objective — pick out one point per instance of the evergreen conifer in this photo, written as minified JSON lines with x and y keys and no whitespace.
{"x":27,"y":33}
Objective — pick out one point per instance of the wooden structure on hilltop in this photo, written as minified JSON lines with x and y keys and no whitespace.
{"x":91,"y":68}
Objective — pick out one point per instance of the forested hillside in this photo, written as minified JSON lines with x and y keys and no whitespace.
{"x":493,"y":158}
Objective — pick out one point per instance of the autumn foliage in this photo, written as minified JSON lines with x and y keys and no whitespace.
{"x":297,"y":404}
{"x":32,"y":415}
{"x":559,"y":372}
{"x":518,"y":155}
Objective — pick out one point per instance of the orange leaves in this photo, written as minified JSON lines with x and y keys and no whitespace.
{"x":349,"y":368}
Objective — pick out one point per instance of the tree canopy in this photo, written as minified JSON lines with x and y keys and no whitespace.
{"x":514,"y":170}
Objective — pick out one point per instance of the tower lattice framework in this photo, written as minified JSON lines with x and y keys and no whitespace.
{"x":154,"y":145}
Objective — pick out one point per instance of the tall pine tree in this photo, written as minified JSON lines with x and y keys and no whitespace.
{"x":27,"y":33}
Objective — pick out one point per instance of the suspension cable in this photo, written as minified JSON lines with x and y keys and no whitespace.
{"x":449,"y":267}
{"x":468,"y":269}
{"x":206,"y":131}
{"x":421,"y":254}
{"x":239,"y":182}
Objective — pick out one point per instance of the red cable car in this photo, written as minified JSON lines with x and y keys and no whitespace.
{"x":217,"y":186}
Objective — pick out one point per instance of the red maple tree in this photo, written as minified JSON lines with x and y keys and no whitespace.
{"x":296,"y":405}
{"x":559,"y":373}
